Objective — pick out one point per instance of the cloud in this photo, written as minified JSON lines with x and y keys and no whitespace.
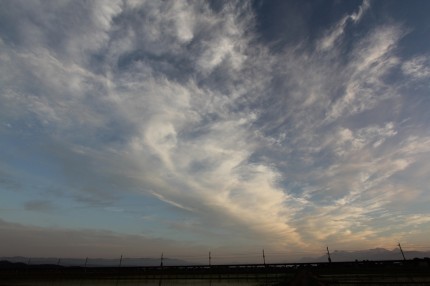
{"x":332,"y":35}
{"x":372,"y":60}
{"x":30,"y":241}
{"x":169,"y":128}
{"x":361,"y":191}
{"x":417,"y":67}
{"x":39,"y":205}
{"x":371,"y":136}
{"x":185,"y":106}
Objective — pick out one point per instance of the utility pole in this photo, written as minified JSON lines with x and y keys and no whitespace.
{"x":59,"y":260}
{"x":120,"y":261}
{"x":401,"y":250}
{"x":85,"y":266}
{"x":161,"y":260}
{"x":328,"y":255}
{"x":264,"y":258}
{"x":210,"y":259}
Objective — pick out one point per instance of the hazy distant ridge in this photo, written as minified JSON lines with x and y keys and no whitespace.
{"x":98,"y":262}
{"x":336,"y":256}
{"x":370,"y":254}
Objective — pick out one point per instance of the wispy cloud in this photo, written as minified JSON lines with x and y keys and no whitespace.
{"x":329,"y":40}
{"x":417,"y":67}
{"x":185,"y":105}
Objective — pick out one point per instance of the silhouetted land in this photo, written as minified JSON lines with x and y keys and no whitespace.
{"x":393,"y":272}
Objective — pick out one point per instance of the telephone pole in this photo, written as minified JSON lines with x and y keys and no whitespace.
{"x":328,"y":255}
{"x":85,"y":266}
{"x":120,"y":261}
{"x":401,"y":250}
{"x":264,"y":258}
{"x":210,"y":259}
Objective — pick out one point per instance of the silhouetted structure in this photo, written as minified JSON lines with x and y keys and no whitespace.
{"x":328,"y":255}
{"x":401,"y":250}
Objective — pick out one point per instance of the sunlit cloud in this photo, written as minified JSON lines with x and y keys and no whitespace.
{"x":183,"y":109}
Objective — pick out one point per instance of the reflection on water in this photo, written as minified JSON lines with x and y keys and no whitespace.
{"x":144,"y":282}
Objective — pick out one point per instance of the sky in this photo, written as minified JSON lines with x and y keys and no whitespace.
{"x":183,"y":127}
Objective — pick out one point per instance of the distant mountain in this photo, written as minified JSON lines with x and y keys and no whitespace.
{"x":8,"y":264}
{"x":370,"y":254}
{"x":336,"y":256}
{"x":95,"y":262}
